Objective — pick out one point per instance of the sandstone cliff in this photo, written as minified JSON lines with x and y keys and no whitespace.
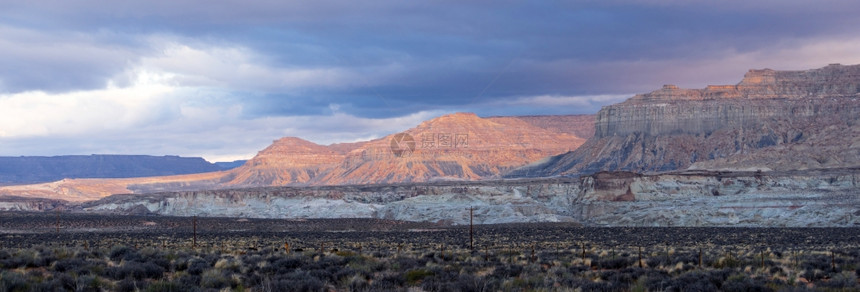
{"x":287,"y":161}
{"x":778,"y":120}
{"x":459,"y":146}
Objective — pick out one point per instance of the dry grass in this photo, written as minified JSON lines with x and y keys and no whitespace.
{"x":367,"y":255}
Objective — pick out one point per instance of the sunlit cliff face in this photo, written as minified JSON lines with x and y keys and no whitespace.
{"x":456,"y":146}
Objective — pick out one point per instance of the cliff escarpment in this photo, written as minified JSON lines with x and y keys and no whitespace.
{"x":458,"y":146}
{"x":779,"y":120}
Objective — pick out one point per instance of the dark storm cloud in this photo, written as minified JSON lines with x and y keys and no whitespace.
{"x":426,"y":37}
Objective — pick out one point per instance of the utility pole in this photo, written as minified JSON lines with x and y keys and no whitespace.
{"x":832,"y":261}
{"x":194,"y":239}
{"x":700,"y":257}
{"x":471,"y":228}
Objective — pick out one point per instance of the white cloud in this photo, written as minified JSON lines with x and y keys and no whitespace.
{"x":57,"y":61}
{"x":238,"y":68}
{"x":37,"y":113}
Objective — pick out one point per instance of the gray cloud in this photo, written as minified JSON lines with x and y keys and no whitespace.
{"x":439,"y":44}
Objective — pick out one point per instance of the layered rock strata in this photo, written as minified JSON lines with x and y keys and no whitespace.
{"x":780,"y":120}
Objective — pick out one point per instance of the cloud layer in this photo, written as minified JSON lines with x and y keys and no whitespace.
{"x":221,"y":80}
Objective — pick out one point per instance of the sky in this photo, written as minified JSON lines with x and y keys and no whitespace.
{"x":223,"y":79}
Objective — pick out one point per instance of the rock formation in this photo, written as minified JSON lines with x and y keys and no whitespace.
{"x":822,"y":198}
{"x":772,"y":120}
{"x":779,"y":149}
{"x":287,"y":161}
{"x":31,"y":205}
{"x":459,"y":146}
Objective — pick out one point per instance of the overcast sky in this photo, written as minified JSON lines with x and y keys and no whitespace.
{"x":222,"y":79}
